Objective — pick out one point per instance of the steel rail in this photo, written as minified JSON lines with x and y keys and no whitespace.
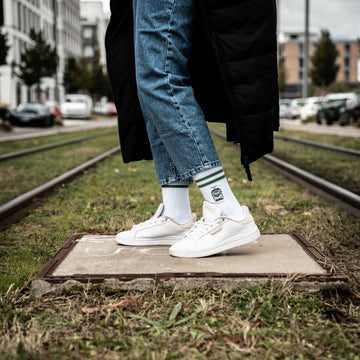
{"x":349,"y":200}
{"x":338,"y":191}
{"x":10,"y":206}
{"x":37,"y":149}
{"x":337,"y":149}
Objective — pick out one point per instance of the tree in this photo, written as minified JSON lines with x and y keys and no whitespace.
{"x":69,"y":77}
{"x":86,"y":75}
{"x":37,"y":61}
{"x":77,"y":75}
{"x":4,"y":48}
{"x":324,"y":68}
{"x":99,"y":82}
{"x":282,"y":75}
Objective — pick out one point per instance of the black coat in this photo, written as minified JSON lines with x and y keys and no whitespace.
{"x":233,"y":68}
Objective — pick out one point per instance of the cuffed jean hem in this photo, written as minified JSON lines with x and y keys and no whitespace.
{"x":186,"y":178}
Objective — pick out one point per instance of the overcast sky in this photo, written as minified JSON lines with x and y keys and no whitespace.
{"x":340,"y":17}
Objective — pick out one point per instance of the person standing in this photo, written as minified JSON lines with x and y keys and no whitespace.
{"x":173,"y":65}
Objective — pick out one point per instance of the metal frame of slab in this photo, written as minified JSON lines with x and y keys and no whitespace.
{"x":333,"y":274}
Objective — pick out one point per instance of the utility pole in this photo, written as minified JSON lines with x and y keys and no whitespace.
{"x":306,"y":52}
{"x":55,"y":35}
{"x":278,"y":30}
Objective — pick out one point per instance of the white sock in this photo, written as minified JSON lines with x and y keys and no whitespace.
{"x":176,"y":202}
{"x":216,"y":190}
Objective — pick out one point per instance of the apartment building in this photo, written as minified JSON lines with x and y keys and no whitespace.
{"x":291,"y":50}
{"x":93,"y":27}
{"x":59,"y":21}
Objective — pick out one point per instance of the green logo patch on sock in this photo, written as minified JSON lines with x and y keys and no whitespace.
{"x":217,"y":194}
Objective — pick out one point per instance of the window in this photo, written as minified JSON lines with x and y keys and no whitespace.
{"x":346,"y":75}
{"x":87,"y":33}
{"x":347,"y":50}
{"x":18,"y":16}
{"x":301,"y":49}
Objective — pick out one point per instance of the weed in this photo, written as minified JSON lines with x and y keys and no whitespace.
{"x":265,"y":322}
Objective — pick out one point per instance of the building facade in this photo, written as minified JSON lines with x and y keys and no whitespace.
{"x":291,"y":50}
{"x":59,"y":20}
{"x":93,"y":27}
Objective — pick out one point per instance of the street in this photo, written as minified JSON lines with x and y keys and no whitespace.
{"x":21,"y":133}
{"x":287,"y":124}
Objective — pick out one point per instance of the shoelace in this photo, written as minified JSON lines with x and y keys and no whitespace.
{"x":203,"y":226}
{"x":149,"y":222}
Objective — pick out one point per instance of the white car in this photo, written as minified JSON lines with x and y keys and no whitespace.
{"x":77,"y":106}
{"x":310,"y":107}
{"x":284,"y":108}
{"x":296,"y":105}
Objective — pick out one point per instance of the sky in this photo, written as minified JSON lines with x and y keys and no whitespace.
{"x":340,"y":17}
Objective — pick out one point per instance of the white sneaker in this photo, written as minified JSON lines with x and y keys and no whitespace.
{"x":158,"y":230}
{"x":215,"y":233}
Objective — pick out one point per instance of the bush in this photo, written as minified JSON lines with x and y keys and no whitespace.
{"x":4,"y":118}
{"x":5,"y":125}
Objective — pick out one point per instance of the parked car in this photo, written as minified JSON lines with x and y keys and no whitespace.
{"x":296,"y":105}
{"x":31,"y":114}
{"x":112,"y":109}
{"x":77,"y":106}
{"x":332,"y":106}
{"x":54,"y":108}
{"x":350,"y":115}
{"x":310,"y":107}
{"x":105,"y":108}
{"x":284,"y":108}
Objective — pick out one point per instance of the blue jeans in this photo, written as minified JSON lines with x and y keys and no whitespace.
{"x":179,"y":137}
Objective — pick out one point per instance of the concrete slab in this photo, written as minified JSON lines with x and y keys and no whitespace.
{"x":85,"y":259}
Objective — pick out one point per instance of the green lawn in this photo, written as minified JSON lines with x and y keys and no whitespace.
{"x":24,"y":173}
{"x":339,"y":169}
{"x":265,"y":322}
{"x":12,"y":146}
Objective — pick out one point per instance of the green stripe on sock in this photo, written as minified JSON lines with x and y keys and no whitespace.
{"x":212,"y":181}
{"x":175,"y":186}
{"x":209,"y":176}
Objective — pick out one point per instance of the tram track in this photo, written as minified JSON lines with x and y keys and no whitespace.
{"x":336,"y":149}
{"x":15,"y":154}
{"x":18,"y":207}
{"x":344,"y":198}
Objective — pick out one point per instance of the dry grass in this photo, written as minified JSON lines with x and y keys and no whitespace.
{"x":265,"y":322}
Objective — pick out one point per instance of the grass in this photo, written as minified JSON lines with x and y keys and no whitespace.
{"x":342,"y":141}
{"x":340,"y":169}
{"x":24,"y":173}
{"x":11,"y":146}
{"x":265,"y":322}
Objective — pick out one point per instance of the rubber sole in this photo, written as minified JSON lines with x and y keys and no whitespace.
{"x":232,"y":243}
